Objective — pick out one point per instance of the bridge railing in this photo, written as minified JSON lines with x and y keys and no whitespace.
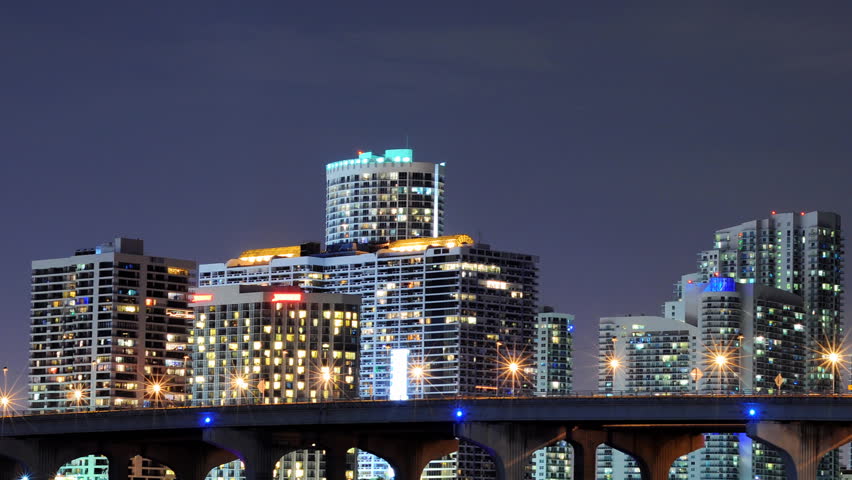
{"x":579,"y":394}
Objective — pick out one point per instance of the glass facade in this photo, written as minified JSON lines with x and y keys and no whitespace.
{"x":460,"y":309}
{"x":107,"y":324}
{"x":554,"y":367}
{"x":382,"y":198}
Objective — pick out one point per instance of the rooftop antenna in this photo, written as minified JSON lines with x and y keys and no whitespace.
{"x":406,"y":140}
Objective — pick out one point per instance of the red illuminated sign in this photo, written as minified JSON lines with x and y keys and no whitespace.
{"x":286,"y":297}
{"x":202,"y":297}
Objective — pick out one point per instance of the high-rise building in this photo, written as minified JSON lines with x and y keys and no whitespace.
{"x":258,"y":344}
{"x":554,"y":374}
{"x":107,"y":325}
{"x":733,"y":337}
{"x":643,"y":355}
{"x":802,"y":253}
{"x":798,"y":252}
{"x":456,"y":309}
{"x":383,"y":198}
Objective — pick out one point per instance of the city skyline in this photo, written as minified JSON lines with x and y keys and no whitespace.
{"x":536,"y":171}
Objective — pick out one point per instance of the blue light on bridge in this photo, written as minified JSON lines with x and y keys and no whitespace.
{"x":206,"y":419}
{"x":25,"y":477}
{"x":459,"y":414}
{"x":752,"y":411}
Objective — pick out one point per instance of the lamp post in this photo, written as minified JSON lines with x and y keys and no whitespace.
{"x":513,"y":368}
{"x":497,"y":371}
{"x":721,"y":362}
{"x":834,"y":359}
{"x":77,"y":397}
{"x":5,"y":401}
{"x":325,"y":379}
{"x":741,"y":357}
{"x":239,"y":384}
{"x":418,"y":374}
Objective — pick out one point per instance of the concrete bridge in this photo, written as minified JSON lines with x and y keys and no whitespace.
{"x":409,"y":434}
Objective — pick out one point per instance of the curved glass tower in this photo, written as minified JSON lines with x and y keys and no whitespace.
{"x":383,"y":198}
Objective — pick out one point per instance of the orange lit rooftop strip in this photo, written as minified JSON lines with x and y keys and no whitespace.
{"x":415,"y":244}
{"x":264,"y":255}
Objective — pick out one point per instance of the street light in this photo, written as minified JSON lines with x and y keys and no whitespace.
{"x":325,"y":378}
{"x":418,"y":375}
{"x":833,"y":359}
{"x":513,"y":367}
{"x":722,"y":359}
{"x":77,"y":395}
{"x":239,"y":384}
{"x":832,"y":355}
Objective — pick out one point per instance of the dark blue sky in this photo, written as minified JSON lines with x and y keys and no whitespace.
{"x":609,"y":141}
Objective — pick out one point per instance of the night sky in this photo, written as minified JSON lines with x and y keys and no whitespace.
{"x":611,"y":142}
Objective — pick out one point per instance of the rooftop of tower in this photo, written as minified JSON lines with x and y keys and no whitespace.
{"x":390,"y":157}
{"x":396,"y":155}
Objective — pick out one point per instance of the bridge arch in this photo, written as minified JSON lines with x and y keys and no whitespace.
{"x":16,"y":458}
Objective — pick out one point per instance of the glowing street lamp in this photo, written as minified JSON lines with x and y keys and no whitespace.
{"x":325,"y":377}
{"x":77,"y":397}
{"x":418,"y":375}
{"x":722,"y":359}
{"x":239,"y":384}
{"x":832,"y":354}
{"x":833,"y":359}
{"x":154,"y":391}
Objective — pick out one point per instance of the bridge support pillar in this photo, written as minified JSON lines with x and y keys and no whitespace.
{"x":656,"y":449}
{"x":511,"y":445}
{"x":801,"y":444}
{"x":408,"y":456}
{"x":253,"y":448}
{"x":335,"y":463}
{"x":585,"y":443}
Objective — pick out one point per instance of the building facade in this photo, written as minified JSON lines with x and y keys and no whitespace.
{"x":645,"y":355}
{"x":258,"y":344}
{"x":554,"y":377}
{"x":459,"y":311}
{"x":732,"y":338}
{"x":109,"y":329}
{"x":802,"y":253}
{"x":376,"y":199}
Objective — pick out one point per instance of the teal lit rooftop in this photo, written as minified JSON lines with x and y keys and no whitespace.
{"x":397,"y":155}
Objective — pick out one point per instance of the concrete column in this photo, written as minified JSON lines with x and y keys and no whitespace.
{"x":191,"y":461}
{"x":119,"y":468}
{"x":511,"y":445}
{"x":260,"y":463}
{"x":801,"y":444}
{"x":408,"y":456}
{"x":255,"y":449}
{"x":585,"y":443}
{"x":655,"y":448}
{"x":119,"y":457}
{"x":335,"y":464}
